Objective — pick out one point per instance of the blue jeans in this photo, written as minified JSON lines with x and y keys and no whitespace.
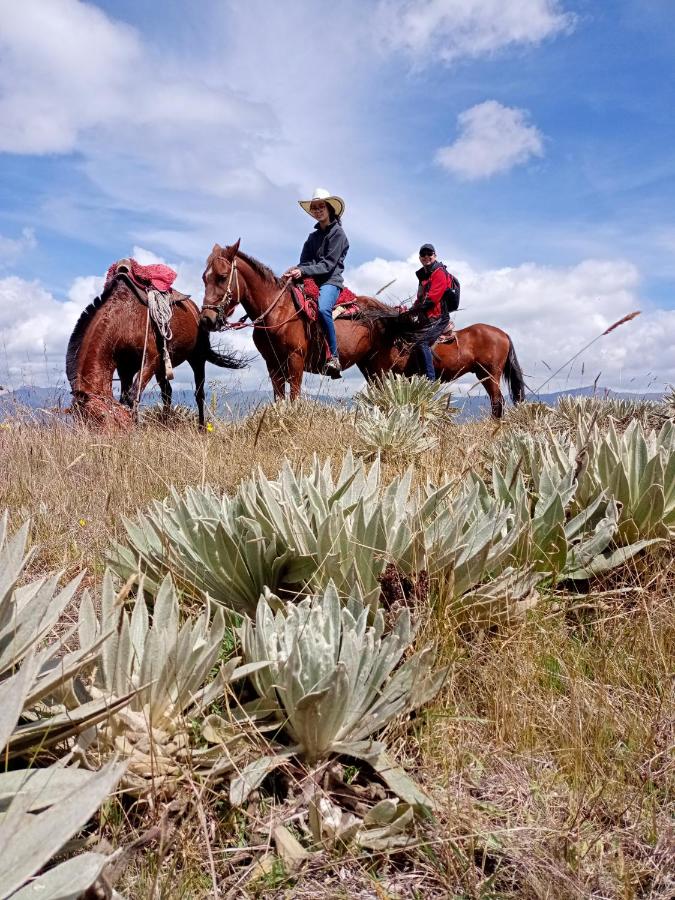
{"x":328,"y":295}
{"x":427,"y":360}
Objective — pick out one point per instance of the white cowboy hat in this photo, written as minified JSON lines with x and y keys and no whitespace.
{"x":337,"y":204}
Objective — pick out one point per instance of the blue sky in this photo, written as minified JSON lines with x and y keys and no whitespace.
{"x":530,"y":140}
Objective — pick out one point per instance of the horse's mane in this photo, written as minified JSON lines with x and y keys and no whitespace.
{"x":376,"y":308}
{"x":396,"y":324}
{"x":260,"y":269}
{"x":80,"y":330}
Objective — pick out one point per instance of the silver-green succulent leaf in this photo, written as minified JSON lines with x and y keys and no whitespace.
{"x":390,"y":392}
{"x":578,"y":412}
{"x":42,"y":809}
{"x":295,"y":533}
{"x":636,"y":469}
{"x":400,"y":433}
{"x":28,"y":614}
{"x":171,"y":671}
{"x":332,"y":677}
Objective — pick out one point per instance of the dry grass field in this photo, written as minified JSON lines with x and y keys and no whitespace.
{"x":549,"y":751}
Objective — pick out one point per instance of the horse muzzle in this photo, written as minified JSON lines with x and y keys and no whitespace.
{"x":209,"y":319}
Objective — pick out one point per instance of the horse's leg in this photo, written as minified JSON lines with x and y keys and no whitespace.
{"x":278,"y":379}
{"x":490,"y":381}
{"x":295,"y":371}
{"x":141,"y":382}
{"x":126,"y":380}
{"x":198,"y":365}
{"x":165,"y":389}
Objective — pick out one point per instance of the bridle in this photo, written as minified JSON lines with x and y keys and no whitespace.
{"x":227,"y":301}
{"x":230,"y":302}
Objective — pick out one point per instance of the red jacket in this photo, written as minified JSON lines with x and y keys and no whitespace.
{"x":430,"y":291}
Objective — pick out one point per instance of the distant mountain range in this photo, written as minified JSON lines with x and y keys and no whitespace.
{"x":235,"y":404}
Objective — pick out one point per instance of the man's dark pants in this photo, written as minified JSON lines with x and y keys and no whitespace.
{"x":423,"y":352}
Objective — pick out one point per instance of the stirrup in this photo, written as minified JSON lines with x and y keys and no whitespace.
{"x":333,"y":368}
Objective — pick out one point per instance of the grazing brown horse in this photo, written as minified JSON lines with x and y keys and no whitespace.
{"x":112,"y":333}
{"x":377,"y":339}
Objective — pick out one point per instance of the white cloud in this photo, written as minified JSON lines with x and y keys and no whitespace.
{"x":12,"y":248}
{"x":83,"y":290}
{"x":429,"y":30}
{"x":73,"y":79}
{"x":493,"y":139}
{"x":34,"y":331}
{"x":551,"y":313}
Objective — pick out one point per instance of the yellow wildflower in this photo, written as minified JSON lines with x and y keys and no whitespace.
{"x":209,"y":426}
{"x":82,"y":523}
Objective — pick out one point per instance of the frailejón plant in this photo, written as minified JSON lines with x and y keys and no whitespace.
{"x":390,"y":392}
{"x":332,"y":680}
{"x":559,"y":535}
{"x":42,"y":809}
{"x":294,"y":533}
{"x":635,"y":469}
{"x":400,"y":433}
{"x":28,"y":615}
{"x":172,"y":671}
{"x":575,"y":411}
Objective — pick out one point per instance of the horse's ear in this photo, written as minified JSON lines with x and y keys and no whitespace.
{"x":216,"y":250}
{"x":232,"y":251}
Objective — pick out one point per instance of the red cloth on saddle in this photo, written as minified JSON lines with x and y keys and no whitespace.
{"x":157,"y":275}
{"x":308,"y":301}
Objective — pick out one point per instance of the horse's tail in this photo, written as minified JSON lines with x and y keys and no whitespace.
{"x":513,"y":374}
{"x":223,"y":360}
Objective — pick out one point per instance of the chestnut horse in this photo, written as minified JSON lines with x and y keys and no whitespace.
{"x":370,"y":340}
{"x":113,"y":333}
{"x":482,"y":350}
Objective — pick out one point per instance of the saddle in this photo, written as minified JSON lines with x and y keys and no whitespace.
{"x":141,"y":279}
{"x":306,"y":298}
{"x":152,"y":286}
{"x":448,"y":335}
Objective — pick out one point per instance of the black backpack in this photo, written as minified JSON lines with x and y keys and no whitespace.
{"x":451,"y":296}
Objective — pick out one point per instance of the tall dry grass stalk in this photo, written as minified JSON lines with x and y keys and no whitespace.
{"x":550,"y":749}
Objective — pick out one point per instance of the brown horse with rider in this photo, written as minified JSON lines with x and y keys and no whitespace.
{"x":377,"y":338}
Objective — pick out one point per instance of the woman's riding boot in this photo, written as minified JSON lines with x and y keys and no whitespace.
{"x":333,"y":367}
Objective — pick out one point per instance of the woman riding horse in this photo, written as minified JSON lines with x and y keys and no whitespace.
{"x":323,"y":260}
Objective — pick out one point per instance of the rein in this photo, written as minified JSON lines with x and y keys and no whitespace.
{"x":221,"y":321}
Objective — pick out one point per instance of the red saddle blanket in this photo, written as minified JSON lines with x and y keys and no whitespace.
{"x":306,"y":296}
{"x":157,"y":275}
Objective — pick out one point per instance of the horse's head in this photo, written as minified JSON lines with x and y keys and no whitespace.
{"x":222,"y":286}
{"x":103,"y":413}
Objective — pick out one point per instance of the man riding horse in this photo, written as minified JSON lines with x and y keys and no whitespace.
{"x":437,"y":297}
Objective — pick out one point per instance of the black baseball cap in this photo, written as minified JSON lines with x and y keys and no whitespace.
{"x":427,"y":248}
